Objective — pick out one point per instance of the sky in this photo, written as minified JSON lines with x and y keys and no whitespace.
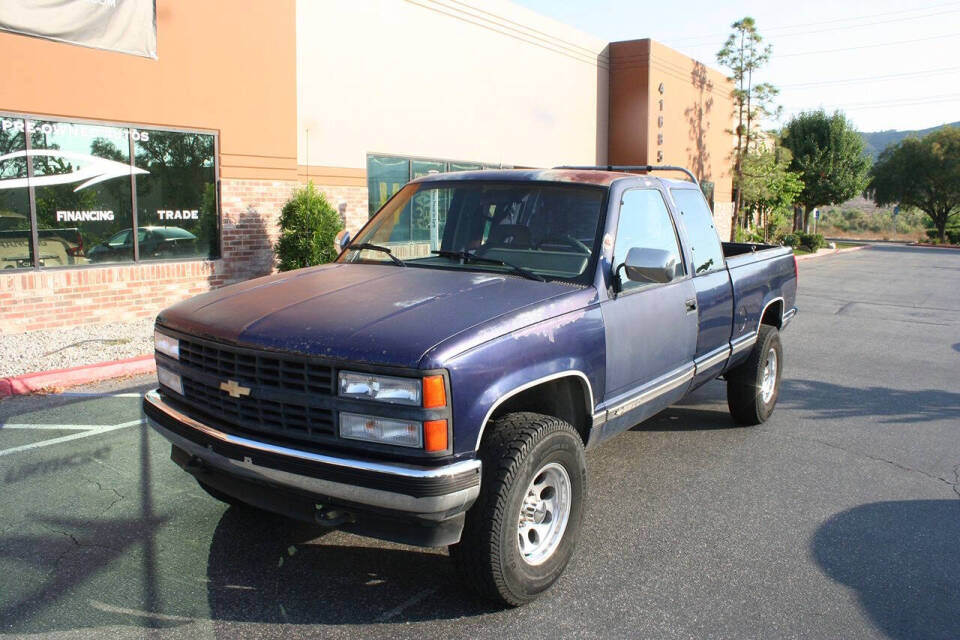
{"x":885,"y":64}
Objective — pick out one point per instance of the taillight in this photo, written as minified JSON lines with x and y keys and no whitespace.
{"x":796,"y":270}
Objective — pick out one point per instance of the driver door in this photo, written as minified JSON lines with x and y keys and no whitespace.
{"x":651,"y":328}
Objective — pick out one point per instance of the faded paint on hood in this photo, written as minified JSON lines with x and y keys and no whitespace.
{"x":368,"y":313}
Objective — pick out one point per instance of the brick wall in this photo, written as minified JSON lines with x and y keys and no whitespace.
{"x":351,"y":202}
{"x":251,"y":212}
{"x":49,"y":299}
{"x":58,"y":298}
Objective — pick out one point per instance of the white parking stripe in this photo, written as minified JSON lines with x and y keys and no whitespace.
{"x":72,"y":436}
{"x":92,"y":394}
{"x":52,"y":427}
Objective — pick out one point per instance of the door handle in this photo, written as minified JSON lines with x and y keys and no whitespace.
{"x":691,"y":305}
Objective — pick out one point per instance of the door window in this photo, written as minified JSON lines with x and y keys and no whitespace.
{"x":704,"y":244}
{"x":644,"y":222}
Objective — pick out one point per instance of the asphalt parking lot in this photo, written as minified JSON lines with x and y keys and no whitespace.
{"x":840,"y":517}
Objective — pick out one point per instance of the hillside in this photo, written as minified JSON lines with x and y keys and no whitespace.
{"x":876,"y":141}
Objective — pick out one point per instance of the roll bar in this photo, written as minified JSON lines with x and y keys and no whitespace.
{"x":635,"y":167}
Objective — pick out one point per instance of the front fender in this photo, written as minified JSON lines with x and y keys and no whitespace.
{"x":571,"y":344}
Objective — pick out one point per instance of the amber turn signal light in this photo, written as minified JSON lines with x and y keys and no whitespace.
{"x":435,"y":435}
{"x":434,"y":395}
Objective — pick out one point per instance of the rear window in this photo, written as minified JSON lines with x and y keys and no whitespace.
{"x":701,"y":234}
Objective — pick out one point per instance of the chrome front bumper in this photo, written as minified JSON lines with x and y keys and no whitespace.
{"x":429,"y":493}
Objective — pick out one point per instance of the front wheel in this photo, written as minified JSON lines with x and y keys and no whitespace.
{"x":754,"y":386}
{"x":522,"y":531}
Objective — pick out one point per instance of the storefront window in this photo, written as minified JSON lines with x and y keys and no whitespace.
{"x":465,"y":166}
{"x":15,"y":245}
{"x":387,"y":174}
{"x":176,"y":196}
{"x":84,"y":180}
{"x":81,"y":181}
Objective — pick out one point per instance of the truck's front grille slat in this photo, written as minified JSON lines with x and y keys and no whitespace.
{"x":268,"y":377}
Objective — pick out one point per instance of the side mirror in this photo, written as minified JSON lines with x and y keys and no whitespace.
{"x":650,"y":265}
{"x":341,"y":240}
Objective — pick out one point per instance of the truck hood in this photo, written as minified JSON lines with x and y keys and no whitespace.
{"x":369,"y":313}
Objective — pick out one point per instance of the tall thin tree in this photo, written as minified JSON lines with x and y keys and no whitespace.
{"x":743,"y":53}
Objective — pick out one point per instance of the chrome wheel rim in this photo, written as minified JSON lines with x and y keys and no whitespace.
{"x":769,"y":377}
{"x":544,"y":514}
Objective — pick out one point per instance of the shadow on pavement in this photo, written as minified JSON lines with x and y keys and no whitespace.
{"x":902,"y":560}
{"x":258,"y":571}
{"x":73,"y":550}
{"x":679,"y":418}
{"x":703,"y":410}
{"x":835,"y":401}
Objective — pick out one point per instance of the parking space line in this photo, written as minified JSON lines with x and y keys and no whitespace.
{"x":94,"y":394}
{"x":74,"y":436}
{"x":52,"y":427}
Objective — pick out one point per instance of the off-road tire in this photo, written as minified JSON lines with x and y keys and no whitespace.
{"x":488,"y":558}
{"x":744,"y":383}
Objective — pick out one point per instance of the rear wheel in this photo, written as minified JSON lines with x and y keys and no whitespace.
{"x":522,"y":531}
{"x":754,"y":386}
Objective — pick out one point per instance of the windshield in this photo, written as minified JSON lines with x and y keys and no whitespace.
{"x":544,"y":229}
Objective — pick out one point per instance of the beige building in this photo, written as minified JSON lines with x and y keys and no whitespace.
{"x":239,"y":107}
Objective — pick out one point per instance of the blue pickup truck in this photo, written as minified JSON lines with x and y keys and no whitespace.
{"x":439,"y":382}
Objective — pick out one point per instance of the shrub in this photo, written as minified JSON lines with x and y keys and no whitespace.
{"x":811,"y":241}
{"x":790,"y":240}
{"x":308,"y":225}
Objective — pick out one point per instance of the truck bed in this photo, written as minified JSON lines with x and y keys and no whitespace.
{"x":761,"y":274}
{"x":731,"y":249}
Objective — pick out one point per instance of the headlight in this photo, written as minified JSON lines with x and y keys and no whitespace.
{"x":365,"y":386}
{"x":167,"y":345}
{"x":405,"y":433}
{"x":170,"y":379}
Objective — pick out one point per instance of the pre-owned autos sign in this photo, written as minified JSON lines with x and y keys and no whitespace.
{"x":127,"y":26}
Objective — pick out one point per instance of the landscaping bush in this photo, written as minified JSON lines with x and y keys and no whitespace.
{"x":308,"y":225}
{"x":811,"y":241}
{"x":790,"y":240}
{"x":953,"y":236}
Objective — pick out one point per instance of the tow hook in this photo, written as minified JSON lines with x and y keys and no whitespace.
{"x":327,"y":517}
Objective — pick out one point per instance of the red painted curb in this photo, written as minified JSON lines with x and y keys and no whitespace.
{"x":811,"y":256}
{"x":923,"y":245}
{"x":33,"y":382}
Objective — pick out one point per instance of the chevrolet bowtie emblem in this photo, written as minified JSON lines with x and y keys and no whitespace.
{"x":233,"y":388}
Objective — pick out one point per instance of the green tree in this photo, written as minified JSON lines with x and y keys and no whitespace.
{"x":828,"y":154}
{"x":769,"y":187}
{"x":744,"y":54}
{"x":922,"y":173}
{"x":308,"y":226}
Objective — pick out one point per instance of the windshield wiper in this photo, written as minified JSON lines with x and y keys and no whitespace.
{"x":466,"y":256}
{"x":376,"y":247}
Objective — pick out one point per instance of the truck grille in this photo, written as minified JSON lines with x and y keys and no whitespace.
{"x":284,"y":390}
